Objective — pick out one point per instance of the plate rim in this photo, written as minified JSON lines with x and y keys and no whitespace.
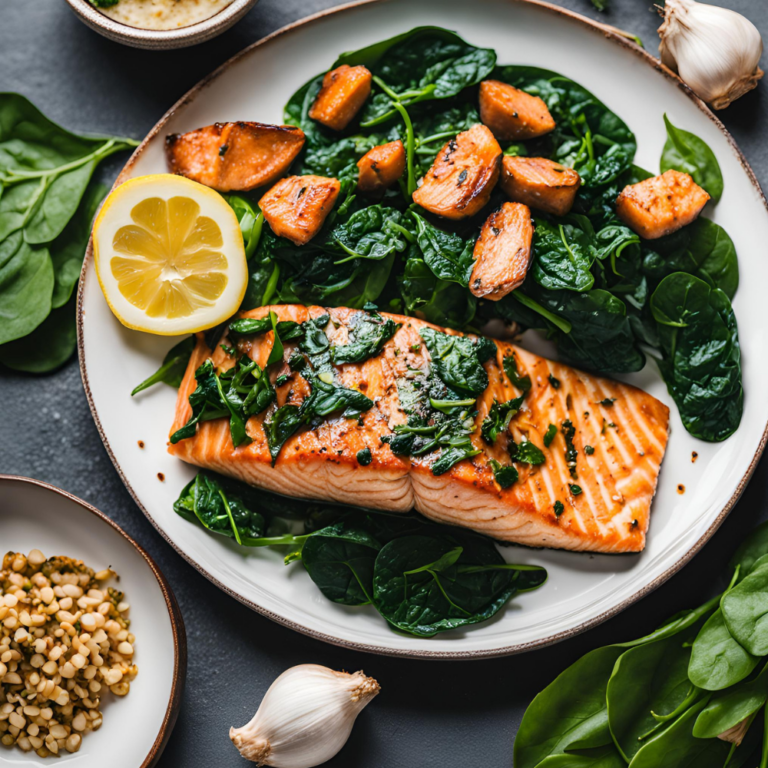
{"x":610,"y":33}
{"x":177,"y":621}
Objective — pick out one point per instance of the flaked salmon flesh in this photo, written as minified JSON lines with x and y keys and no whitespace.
{"x":626,"y":428}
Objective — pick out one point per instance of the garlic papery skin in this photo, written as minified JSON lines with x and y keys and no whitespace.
{"x":305,"y":717}
{"x":714,"y":50}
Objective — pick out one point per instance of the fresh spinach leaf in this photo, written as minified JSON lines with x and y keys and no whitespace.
{"x":287,"y":330}
{"x":569,"y":713}
{"x":251,"y":222}
{"x":702,"y":359}
{"x":46,"y":348}
{"x":601,"y":757}
{"x":340,"y":560}
{"x":325,"y":399}
{"x":315,"y":343}
{"x":456,"y":361}
{"x":371,"y":233}
{"x":445,"y":253}
{"x":369,"y":332}
{"x":687,"y":153}
{"x":221,"y":395}
{"x":648,"y":688}
{"x":174,"y":366}
{"x":205,"y":500}
{"x":425,"y":585}
{"x":26,"y":286}
{"x":68,"y":249}
{"x":745,"y":610}
{"x":677,"y":747}
{"x":601,"y":337}
{"x":729,"y":708}
{"x":717,"y":660}
{"x":702,"y":249}
{"x":437,"y":301}
{"x":564,"y":253}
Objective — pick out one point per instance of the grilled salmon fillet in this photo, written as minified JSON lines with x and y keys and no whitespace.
{"x":234,"y":157}
{"x":512,"y":114}
{"x":605,"y":509}
{"x":464,"y":173}
{"x":661,"y":205}
{"x":502,"y":252}
{"x":540,"y":183}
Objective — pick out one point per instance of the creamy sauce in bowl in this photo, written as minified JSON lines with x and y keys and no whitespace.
{"x":163,"y":14}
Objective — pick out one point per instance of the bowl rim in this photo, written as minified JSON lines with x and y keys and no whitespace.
{"x":95,"y":18}
{"x":177,"y":621}
{"x":614,"y":35}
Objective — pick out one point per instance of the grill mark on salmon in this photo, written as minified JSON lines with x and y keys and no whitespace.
{"x":618,"y":480}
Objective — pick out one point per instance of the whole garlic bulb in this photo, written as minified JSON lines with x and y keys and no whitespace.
{"x":305,"y":717}
{"x":714,"y":50}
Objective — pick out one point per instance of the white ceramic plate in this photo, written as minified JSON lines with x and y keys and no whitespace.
{"x":34,"y":515}
{"x":582,"y":589}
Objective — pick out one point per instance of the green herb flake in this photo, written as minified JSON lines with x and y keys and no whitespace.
{"x":528,"y":453}
{"x":523,"y":383}
{"x":554,"y":382}
{"x":549,"y":435}
{"x":589,"y":450}
{"x":231,"y":351}
{"x":364,"y":457}
{"x":559,"y":508}
{"x":608,"y":402}
{"x":571,"y":454}
{"x":498,"y":419}
{"x":505,"y":476}
{"x":575,"y":489}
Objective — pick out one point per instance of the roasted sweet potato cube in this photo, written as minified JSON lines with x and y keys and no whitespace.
{"x":512,"y":114}
{"x":540,"y":183}
{"x":464,"y":173}
{"x":381,"y":167}
{"x":234,"y":157}
{"x":296,"y":207}
{"x":502,"y":252}
{"x":343,"y":92}
{"x":661,"y":205}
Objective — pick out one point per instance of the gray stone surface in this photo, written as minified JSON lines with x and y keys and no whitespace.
{"x":430,"y":714}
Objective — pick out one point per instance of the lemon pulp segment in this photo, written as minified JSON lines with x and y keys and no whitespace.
{"x":171,"y":261}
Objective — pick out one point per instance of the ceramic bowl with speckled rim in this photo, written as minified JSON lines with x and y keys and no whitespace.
{"x":692,"y":499}
{"x":161,"y":39}
{"x":136,"y":728}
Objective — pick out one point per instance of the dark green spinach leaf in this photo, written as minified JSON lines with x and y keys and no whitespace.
{"x":687,"y":153}
{"x":171,"y":372}
{"x":702,"y":359}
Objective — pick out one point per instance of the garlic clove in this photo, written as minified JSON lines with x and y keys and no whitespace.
{"x":305,"y":718}
{"x":714,"y":50}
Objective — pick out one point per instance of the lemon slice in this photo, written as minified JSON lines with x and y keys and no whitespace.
{"x":169,"y":255}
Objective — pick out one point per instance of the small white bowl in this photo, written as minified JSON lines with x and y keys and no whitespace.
{"x":35,"y":515}
{"x":161,"y":39}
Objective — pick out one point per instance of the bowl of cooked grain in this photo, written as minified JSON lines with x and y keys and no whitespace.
{"x":160,"y":24}
{"x":92,"y":643}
